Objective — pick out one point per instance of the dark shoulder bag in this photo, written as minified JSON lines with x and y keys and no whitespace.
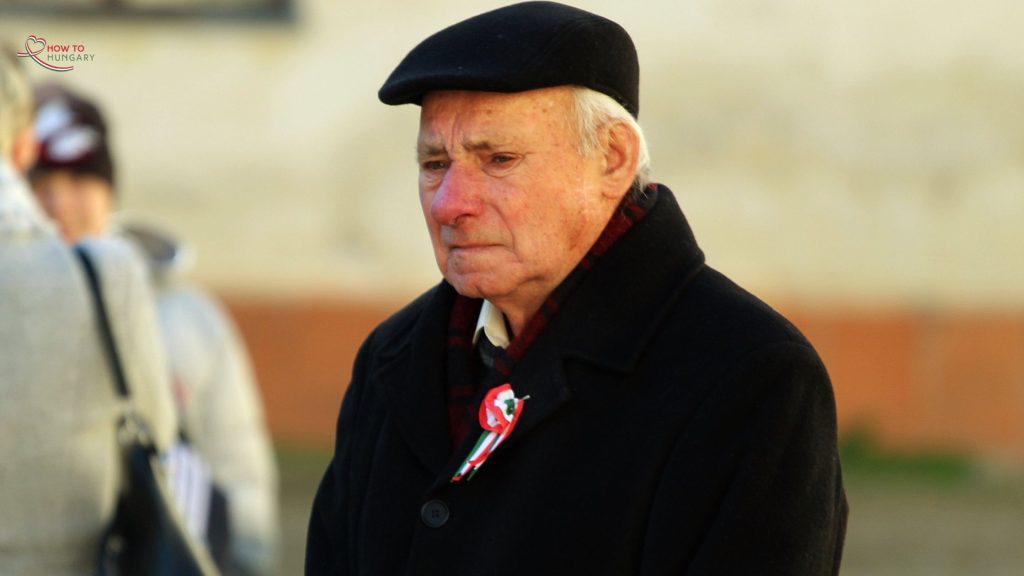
{"x":147,"y":536}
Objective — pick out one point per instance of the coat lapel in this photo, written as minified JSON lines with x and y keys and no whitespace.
{"x":618,"y":308}
{"x":413,"y":373}
{"x":539,"y":376}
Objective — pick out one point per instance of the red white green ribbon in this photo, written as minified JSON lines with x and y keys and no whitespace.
{"x":499,"y":413}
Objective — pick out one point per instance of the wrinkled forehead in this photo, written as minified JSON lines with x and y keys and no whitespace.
{"x":450,"y":113}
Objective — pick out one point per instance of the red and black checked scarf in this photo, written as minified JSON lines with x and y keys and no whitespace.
{"x":464,"y":371}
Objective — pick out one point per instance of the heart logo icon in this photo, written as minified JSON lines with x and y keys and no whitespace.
{"x":35,"y":44}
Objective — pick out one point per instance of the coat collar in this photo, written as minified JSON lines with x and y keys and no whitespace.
{"x":607,"y":322}
{"x":616,"y":310}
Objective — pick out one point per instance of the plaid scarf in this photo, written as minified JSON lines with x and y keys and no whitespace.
{"x":465,"y":373}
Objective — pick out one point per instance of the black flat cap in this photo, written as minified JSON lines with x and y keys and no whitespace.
{"x":521,"y":47}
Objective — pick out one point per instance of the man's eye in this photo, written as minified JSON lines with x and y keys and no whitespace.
{"x":502,"y":159}
{"x":434,"y":165}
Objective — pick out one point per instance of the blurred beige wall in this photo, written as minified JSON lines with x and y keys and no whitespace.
{"x":852,"y":153}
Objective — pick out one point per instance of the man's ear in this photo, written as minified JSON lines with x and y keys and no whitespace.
{"x":26,"y":149}
{"x":621,"y":145}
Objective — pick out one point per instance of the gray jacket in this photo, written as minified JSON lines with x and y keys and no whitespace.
{"x":59,"y":460}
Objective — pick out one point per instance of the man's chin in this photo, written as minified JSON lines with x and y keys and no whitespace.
{"x":467,"y":290}
{"x":473,"y":286}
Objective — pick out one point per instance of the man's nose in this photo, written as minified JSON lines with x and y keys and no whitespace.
{"x":458,"y":195}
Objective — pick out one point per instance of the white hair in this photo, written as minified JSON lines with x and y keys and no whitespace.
{"x":594,"y":111}
{"x":15,"y":100}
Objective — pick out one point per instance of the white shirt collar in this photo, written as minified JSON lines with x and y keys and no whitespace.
{"x":492,"y":323}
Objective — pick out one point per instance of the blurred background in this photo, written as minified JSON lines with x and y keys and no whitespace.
{"x":859,"y":165}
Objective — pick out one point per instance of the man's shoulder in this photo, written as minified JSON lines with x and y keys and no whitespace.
{"x":114,"y":256}
{"x":39,"y":274}
{"x":730,"y":318}
{"x":394,"y":333}
{"x":723,"y":338}
{"x":121,"y":271}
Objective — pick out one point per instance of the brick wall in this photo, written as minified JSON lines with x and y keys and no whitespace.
{"x":917,"y":380}
{"x":927,"y":380}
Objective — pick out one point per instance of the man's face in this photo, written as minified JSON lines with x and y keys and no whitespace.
{"x":80,"y":204}
{"x":510,"y":203}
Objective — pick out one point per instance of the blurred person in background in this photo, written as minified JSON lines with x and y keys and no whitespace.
{"x":581,"y":394}
{"x":215,"y":391}
{"x":218,"y":403}
{"x":60,"y":460}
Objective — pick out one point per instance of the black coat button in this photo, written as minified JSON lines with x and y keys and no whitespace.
{"x":434,"y":513}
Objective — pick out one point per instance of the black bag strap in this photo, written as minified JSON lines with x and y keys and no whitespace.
{"x":106,"y":333}
{"x":183,"y":554}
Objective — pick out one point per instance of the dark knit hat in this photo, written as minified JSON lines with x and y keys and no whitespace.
{"x":72,"y":135}
{"x":521,"y":47}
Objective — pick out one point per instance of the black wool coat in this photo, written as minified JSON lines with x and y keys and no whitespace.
{"x":676,"y":425}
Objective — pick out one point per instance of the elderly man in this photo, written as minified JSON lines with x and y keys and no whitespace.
{"x":581,"y":394}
